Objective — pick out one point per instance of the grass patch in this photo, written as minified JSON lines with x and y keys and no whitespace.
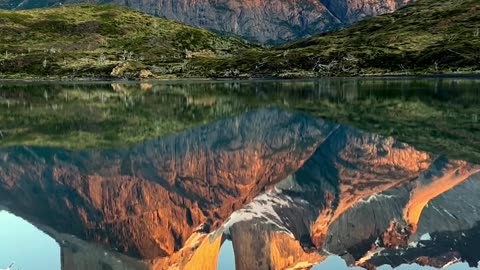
{"x":427,"y":37}
{"x":88,"y":41}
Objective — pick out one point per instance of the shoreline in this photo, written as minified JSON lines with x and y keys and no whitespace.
{"x":473,"y":76}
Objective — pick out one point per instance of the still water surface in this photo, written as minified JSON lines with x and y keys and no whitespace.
{"x":436,"y":115}
{"x":31,"y":248}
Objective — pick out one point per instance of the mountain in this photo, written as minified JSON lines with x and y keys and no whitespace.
{"x":259,"y":21}
{"x":197,"y":178}
{"x":287,"y":189}
{"x":427,"y":37}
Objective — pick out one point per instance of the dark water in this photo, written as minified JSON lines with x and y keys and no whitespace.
{"x":441,"y":116}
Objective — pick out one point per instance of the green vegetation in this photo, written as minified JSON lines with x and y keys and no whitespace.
{"x":79,"y":116}
{"x":104,"y":42}
{"x":100,"y":42}
{"x":428,"y":37}
{"x":440,"y":116}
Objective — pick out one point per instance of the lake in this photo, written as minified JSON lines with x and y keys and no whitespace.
{"x":303,"y":174}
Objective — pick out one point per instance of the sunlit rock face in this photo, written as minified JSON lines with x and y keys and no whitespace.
{"x":449,"y":225}
{"x":287,"y":189}
{"x":257,"y":246}
{"x":262,"y":21}
{"x":363,"y":197}
{"x":148,"y":200}
{"x":356,"y":166}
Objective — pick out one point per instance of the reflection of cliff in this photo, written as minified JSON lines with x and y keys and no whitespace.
{"x":80,"y":255}
{"x":287,"y":189}
{"x":362,"y":194}
{"x":449,"y":176}
{"x":148,"y":200}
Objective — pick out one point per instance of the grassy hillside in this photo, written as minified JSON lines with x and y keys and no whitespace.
{"x":93,"y":41}
{"x":429,"y":36}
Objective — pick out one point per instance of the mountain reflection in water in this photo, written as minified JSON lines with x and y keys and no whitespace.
{"x":436,"y":115}
{"x":265,"y":181}
{"x":31,"y":248}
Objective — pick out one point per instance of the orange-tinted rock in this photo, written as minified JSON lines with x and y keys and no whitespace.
{"x":283,"y":187}
{"x":396,"y":236}
{"x":287,"y":253}
{"x":200,"y":252}
{"x":431,"y":186}
{"x":440,"y":261}
{"x":258,"y":247}
{"x":355,"y":166}
{"x":148,"y":200}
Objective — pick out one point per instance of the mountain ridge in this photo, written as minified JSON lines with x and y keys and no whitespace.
{"x":427,"y":37}
{"x":258,"y":21}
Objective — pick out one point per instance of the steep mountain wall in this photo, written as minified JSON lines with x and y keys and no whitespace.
{"x":261,"y":21}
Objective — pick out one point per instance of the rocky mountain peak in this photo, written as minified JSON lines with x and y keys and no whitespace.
{"x":259,"y":21}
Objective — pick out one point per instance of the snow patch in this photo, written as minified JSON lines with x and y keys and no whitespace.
{"x":436,"y":209}
{"x":376,"y":197}
{"x":426,"y":237}
{"x":450,"y":214}
{"x":454,"y":261}
{"x":262,"y":208}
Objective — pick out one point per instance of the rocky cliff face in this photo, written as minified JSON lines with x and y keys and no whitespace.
{"x":287,"y":189}
{"x":147,"y":201}
{"x":351,"y":11}
{"x":369,"y":199}
{"x":262,"y":21}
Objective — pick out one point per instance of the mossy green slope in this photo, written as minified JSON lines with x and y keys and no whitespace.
{"x":428,"y":37}
{"x":90,"y":41}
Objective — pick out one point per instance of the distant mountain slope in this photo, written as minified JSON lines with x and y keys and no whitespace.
{"x":429,"y":36}
{"x":262,"y":21}
{"x":67,"y":41}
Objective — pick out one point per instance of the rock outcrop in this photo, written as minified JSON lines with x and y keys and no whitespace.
{"x":367,"y":198}
{"x":148,"y":200}
{"x":262,"y":21}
